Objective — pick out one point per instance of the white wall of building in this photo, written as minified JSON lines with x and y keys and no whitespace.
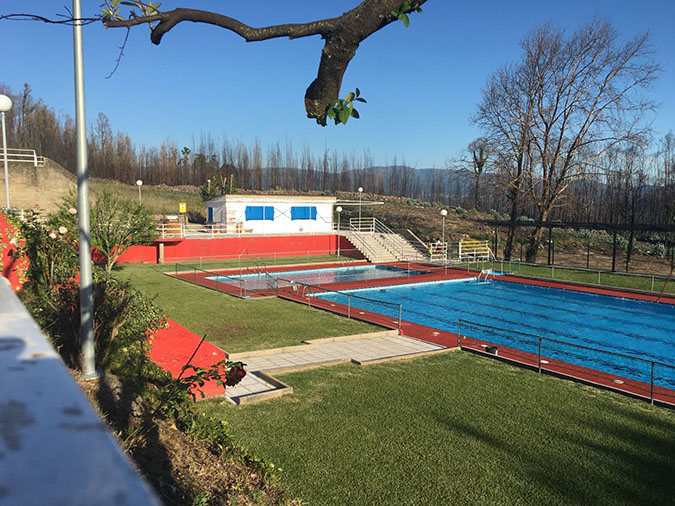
{"x":257,"y":214}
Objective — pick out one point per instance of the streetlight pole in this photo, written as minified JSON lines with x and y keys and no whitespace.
{"x":86,"y":286}
{"x":5,"y":105}
{"x":360,"y":194}
{"x":444,"y":213}
{"x":339,"y":211}
{"x":139,"y":183}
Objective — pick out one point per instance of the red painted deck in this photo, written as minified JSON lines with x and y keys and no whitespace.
{"x":173,"y":346}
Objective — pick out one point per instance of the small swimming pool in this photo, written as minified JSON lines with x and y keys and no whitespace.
{"x":625,"y":326}
{"x":319,"y":276}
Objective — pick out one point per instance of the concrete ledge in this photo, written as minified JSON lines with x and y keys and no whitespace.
{"x":353,"y":337}
{"x":400,"y":358}
{"x":53,"y":448}
{"x":308,"y":345}
{"x":306,"y":367}
{"x":280,"y":390}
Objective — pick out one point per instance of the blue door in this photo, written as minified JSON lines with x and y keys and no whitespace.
{"x":209,"y":214}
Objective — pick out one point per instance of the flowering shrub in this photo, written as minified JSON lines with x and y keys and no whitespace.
{"x":224,"y":373}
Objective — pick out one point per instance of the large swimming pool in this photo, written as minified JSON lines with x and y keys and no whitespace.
{"x":319,"y":276}
{"x":624,"y":326}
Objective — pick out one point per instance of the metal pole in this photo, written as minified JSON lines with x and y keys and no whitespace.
{"x":651,"y":393}
{"x":349,"y":307}
{"x":400,"y":311}
{"x":539,"y":360}
{"x":443,"y":246}
{"x":458,"y":333}
{"x":86,"y":288}
{"x":338,"y":235}
{"x":139,"y":194}
{"x":4,"y":149}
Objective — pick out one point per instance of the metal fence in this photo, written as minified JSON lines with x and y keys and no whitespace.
{"x":219,"y":283}
{"x":600,"y":277}
{"x":576,"y":360}
{"x":387,"y":309}
{"x":347,"y":255}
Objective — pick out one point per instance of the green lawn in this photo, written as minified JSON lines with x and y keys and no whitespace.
{"x":458,"y":429}
{"x":237,"y":324}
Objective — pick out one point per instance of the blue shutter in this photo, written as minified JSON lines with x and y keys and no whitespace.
{"x":254,"y":213}
{"x":269,"y":213}
{"x":303,"y":213}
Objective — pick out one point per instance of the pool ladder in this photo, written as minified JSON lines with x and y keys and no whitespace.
{"x":486,"y":273}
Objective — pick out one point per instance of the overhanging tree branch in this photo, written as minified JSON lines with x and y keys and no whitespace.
{"x":343,"y":35}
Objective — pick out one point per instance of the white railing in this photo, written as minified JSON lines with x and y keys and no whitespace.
{"x":55,"y":449}
{"x":217,"y":230}
{"x":473,"y":250}
{"x":16,"y":155}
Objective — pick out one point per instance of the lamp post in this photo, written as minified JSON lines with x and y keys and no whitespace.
{"x":360,"y":194}
{"x":86,"y":280}
{"x":444,"y":213}
{"x":139,"y":183}
{"x":5,"y":105}
{"x":339,"y":211}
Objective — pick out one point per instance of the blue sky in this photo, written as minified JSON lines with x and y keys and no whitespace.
{"x":422,"y":83}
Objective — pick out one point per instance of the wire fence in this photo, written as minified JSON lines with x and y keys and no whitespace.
{"x":386,"y":309}
{"x":647,"y":282}
{"x":643,"y":376}
{"x":247,"y":258}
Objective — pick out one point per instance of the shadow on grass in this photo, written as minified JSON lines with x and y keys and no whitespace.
{"x":620,"y":461}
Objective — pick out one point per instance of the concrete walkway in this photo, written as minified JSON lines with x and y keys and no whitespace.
{"x":362,"y":349}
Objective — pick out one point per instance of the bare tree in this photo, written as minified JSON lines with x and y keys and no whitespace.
{"x":586,"y":91}
{"x":506,"y":114}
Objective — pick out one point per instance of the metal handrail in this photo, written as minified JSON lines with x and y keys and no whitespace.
{"x":358,"y":240}
{"x":566,"y":343}
{"x":19,"y":155}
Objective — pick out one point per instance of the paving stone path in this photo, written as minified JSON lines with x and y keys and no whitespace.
{"x":259,"y":384}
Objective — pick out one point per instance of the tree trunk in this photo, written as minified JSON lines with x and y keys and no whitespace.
{"x":508,"y":248}
{"x":629,"y":248}
{"x":535,"y":240}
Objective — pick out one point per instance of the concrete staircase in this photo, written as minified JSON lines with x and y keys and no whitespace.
{"x":379,"y":243}
{"x":399,"y":247}
{"x":370,"y":247}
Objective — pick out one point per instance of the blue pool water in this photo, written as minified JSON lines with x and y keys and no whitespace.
{"x":631,"y":327}
{"x":320,"y":276}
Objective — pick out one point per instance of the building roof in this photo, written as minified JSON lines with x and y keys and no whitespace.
{"x":272,"y":198}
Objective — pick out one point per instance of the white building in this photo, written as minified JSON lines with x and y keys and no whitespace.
{"x":271,"y":214}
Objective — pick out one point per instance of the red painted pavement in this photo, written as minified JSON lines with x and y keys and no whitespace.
{"x":173,"y":346}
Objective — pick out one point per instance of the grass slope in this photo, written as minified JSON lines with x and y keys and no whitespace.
{"x":458,"y":429}
{"x":237,"y":324}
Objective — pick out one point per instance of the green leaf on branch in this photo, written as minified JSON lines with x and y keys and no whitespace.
{"x":343,"y":108}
